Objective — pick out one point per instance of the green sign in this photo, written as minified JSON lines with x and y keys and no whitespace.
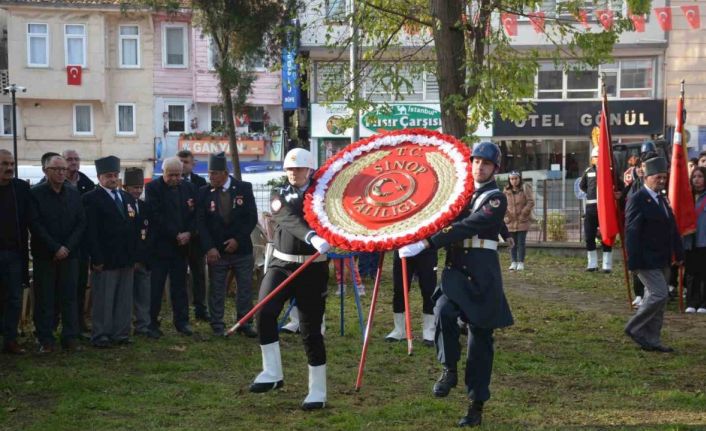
{"x":397,"y":117}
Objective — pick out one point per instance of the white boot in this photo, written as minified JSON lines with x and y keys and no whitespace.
{"x":607,"y":261}
{"x":513,"y":266}
{"x":428,"y":329}
{"x":592,"y":261}
{"x":316,"y":399}
{"x":271,"y":376}
{"x":397,"y":334}
{"x":292,"y":327}
{"x":520,"y":266}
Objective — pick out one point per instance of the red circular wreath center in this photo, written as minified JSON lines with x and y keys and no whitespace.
{"x":393,"y":188}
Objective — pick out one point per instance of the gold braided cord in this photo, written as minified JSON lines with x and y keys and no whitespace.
{"x":333,"y":202}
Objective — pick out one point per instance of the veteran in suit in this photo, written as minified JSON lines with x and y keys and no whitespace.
{"x":652,"y":241}
{"x":227,"y":216}
{"x":173,"y":220}
{"x":111,"y":238}
{"x":471,"y":285}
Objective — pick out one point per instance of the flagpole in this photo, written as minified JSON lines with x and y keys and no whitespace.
{"x":680,"y":290}
{"x":619,"y":215}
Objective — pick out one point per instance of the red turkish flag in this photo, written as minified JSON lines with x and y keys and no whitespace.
{"x":605,"y":16}
{"x":73,"y":75}
{"x":664,"y":17}
{"x":509,"y":21}
{"x":607,"y":209}
{"x":583,"y":19}
{"x":693,"y":16}
{"x":639,"y":22}
{"x":537,"y":20}
{"x":680,"y":198}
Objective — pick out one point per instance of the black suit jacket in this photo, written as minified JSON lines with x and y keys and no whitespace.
{"x":111,"y":236}
{"x":651,"y":235}
{"x":170,"y":214}
{"x":213,"y":230}
{"x":58,"y":219}
{"x":197,"y":180}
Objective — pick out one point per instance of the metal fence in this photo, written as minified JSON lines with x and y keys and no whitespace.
{"x":558,"y":213}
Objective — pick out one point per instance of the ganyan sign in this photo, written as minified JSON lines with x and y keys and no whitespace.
{"x":627,"y":117}
{"x":400,"y":116}
{"x":201,"y":147}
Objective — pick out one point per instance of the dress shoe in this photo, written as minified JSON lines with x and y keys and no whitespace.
{"x":474,"y":416}
{"x":247,"y":330}
{"x":313,"y":406}
{"x":259,"y":388}
{"x":156,"y":331}
{"x":447,"y":380}
{"x":591,"y":269}
{"x":71,"y":346}
{"x":123,"y":341}
{"x":149,"y":333}
{"x":84,"y":335}
{"x":12,"y":348}
{"x":46,"y":348}
{"x":661,"y":349}
{"x":220,"y":332}
{"x":101,"y":343}
{"x":186,"y":330}
{"x":644,"y":345}
{"x":428,"y":343}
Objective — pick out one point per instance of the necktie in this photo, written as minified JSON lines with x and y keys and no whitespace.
{"x":663,"y":205}
{"x":118,"y":202}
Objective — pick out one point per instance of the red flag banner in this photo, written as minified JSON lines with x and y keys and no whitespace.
{"x":607,"y":209}
{"x":73,"y":75}
{"x":692,"y":15}
{"x":639,"y":22}
{"x":537,"y":20}
{"x":605,"y":16}
{"x":664,"y":17}
{"x":680,"y":197}
{"x":509,"y":21}
{"x":583,"y":19}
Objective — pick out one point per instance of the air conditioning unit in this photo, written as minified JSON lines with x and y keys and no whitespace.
{"x":691,"y":136}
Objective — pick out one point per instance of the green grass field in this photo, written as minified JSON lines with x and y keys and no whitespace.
{"x":564,"y":365}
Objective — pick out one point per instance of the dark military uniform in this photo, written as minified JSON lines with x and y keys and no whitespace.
{"x":471,"y":288}
{"x":196,"y":257}
{"x":292,"y":247}
{"x":589,"y":185}
{"x":172,"y":210}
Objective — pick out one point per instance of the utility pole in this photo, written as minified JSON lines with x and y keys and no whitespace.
{"x":354,"y":70}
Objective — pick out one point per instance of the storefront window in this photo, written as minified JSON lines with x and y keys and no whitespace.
{"x":541,"y":156}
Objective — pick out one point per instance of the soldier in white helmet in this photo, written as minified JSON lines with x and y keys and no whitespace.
{"x":294,"y":243}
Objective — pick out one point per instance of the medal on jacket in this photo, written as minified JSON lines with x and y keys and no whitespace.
{"x":238,"y":201}
{"x":143,"y":234}
{"x":212,"y":208}
{"x":130,"y":211}
{"x":190,"y":203}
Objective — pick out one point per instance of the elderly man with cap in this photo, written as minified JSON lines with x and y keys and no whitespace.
{"x":471,"y":285}
{"x":227,"y":216}
{"x":133,"y":184}
{"x":652,"y":242}
{"x":172,"y":218}
{"x":111,"y":239}
{"x":295,"y":241}
{"x":57,"y":227}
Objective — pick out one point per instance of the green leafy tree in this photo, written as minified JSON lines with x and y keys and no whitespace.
{"x":242,"y":32}
{"x":462,"y":42}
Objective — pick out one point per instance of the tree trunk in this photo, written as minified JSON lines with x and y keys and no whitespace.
{"x":450,"y":50}
{"x":230,"y":129}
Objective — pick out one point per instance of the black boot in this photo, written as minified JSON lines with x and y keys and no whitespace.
{"x":447,"y":380}
{"x":474,"y":415}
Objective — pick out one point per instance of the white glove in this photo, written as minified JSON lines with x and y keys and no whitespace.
{"x":320,"y":244}
{"x":413,"y":249}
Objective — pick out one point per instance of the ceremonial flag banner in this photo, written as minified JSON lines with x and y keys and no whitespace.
{"x":664,"y":17}
{"x":537,"y":20}
{"x":639,"y":22}
{"x":692,"y":15}
{"x":509,"y":21}
{"x":605,"y":16}
{"x":680,"y":197}
{"x":607,"y":210}
{"x":73,"y":75}
{"x":390,"y":190}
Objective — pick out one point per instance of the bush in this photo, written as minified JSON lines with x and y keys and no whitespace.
{"x":556,"y":227}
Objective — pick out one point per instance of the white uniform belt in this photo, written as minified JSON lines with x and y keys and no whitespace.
{"x":296,"y":258}
{"x":591,"y":201}
{"x":476,"y":242}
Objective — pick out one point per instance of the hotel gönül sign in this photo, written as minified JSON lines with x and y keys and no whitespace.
{"x":206,"y":146}
{"x":627,"y":117}
{"x":327,"y":120}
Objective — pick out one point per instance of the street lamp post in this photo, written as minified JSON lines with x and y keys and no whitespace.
{"x":13,"y":89}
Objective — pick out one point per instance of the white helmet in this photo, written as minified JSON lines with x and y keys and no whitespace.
{"x":299,"y":158}
{"x":594,"y":152}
